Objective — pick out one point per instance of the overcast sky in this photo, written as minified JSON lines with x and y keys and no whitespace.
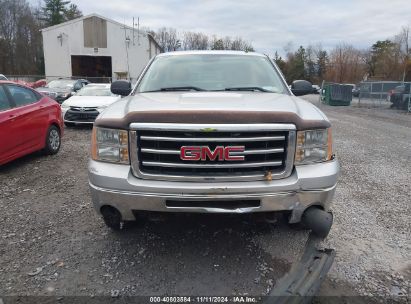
{"x":268,"y":24}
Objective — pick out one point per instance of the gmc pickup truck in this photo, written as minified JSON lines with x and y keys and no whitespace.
{"x":213,"y":131}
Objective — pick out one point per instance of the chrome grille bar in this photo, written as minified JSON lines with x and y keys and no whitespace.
{"x":231,"y":165}
{"x":212,"y":139}
{"x":155,"y":150}
{"x":248,"y":152}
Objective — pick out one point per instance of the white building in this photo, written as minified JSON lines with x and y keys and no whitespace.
{"x":95,"y":46}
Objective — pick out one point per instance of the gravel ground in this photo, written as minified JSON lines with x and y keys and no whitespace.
{"x":371,"y":231}
{"x":53,"y":243}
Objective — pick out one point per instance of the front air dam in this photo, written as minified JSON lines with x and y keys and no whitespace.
{"x":304,"y":279}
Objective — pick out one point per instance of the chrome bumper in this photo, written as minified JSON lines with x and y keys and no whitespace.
{"x":116,"y":186}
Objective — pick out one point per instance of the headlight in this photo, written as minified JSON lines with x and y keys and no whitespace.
{"x":64,"y":95}
{"x":110,"y":145}
{"x":313,"y":146}
{"x":64,"y":106}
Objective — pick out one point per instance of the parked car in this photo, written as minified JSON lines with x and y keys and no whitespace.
{"x":87,"y":104}
{"x":355,"y":89}
{"x":61,"y":89}
{"x":213,"y":132}
{"x":399,"y":96}
{"x":29,"y":122}
{"x":2,"y":77}
{"x":34,"y":84}
{"x":316,"y":89}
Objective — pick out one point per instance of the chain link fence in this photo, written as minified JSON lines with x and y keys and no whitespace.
{"x":378,"y":94}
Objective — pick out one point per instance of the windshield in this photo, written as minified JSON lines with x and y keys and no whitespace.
{"x":212,"y":72}
{"x":94,"y":91}
{"x":61,"y":84}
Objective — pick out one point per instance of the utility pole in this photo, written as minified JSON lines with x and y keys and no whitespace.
{"x":133,"y":32}
{"x":138,"y":30}
{"x":126,"y":43}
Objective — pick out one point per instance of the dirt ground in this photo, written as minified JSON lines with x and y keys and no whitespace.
{"x":53,"y":243}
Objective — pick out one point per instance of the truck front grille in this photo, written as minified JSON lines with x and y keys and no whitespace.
{"x":79,"y":114}
{"x":268,"y":151}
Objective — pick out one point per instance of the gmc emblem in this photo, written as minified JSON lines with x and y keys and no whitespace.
{"x":203,"y":153}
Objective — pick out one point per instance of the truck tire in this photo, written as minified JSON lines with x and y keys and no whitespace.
{"x":53,"y":140}
{"x":112,"y":218}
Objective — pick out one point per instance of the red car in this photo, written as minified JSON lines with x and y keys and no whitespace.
{"x":29,"y":122}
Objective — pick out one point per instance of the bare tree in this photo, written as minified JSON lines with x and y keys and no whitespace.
{"x":227,"y":43}
{"x":238,"y":44}
{"x":195,"y":41}
{"x":20,"y":39}
{"x":168,"y":39}
{"x":345,"y":64}
{"x":403,"y":39}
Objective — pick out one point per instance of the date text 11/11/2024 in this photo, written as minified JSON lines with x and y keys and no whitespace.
{"x":203,"y":299}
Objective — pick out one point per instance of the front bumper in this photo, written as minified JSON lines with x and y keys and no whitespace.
{"x":77,"y":121}
{"x":115,"y":185}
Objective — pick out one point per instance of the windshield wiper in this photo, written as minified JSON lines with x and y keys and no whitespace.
{"x":247,"y":89}
{"x":171,"y":89}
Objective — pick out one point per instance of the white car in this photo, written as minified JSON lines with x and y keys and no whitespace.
{"x":87,"y":104}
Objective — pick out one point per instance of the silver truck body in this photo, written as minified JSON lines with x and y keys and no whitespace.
{"x":146,"y":185}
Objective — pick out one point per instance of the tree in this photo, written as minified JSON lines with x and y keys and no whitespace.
{"x":218,"y":44}
{"x":309,"y":63}
{"x":72,"y":12}
{"x":238,"y":44}
{"x":322,"y":60}
{"x":345,"y":64}
{"x":280,"y":62}
{"x":168,"y":39}
{"x":384,"y":60}
{"x":195,"y":41}
{"x":54,"y":11}
{"x":403,"y":40}
{"x":20,"y":39}
{"x":296,"y":65}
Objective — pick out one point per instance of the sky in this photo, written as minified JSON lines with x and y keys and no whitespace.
{"x":268,"y":24}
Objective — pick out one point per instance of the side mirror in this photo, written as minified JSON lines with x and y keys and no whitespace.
{"x":77,"y":87}
{"x":121,"y":87}
{"x":301,"y":87}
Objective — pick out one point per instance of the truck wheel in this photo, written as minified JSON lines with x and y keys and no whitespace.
{"x":53,"y":141}
{"x":112,"y":218}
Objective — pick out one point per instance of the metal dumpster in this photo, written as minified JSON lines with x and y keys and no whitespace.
{"x":335,"y":94}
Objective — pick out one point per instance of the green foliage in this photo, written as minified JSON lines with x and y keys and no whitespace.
{"x":218,"y":45}
{"x":72,"y":12}
{"x":280,"y":62}
{"x":322,"y":60}
{"x":306,"y":63}
{"x":296,"y":65}
{"x":58,"y":11}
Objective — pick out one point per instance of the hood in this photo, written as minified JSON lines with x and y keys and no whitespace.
{"x":90,"y":101}
{"x":213,"y":108}
{"x":54,"y":90}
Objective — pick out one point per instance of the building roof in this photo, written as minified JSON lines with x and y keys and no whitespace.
{"x":104,"y":18}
